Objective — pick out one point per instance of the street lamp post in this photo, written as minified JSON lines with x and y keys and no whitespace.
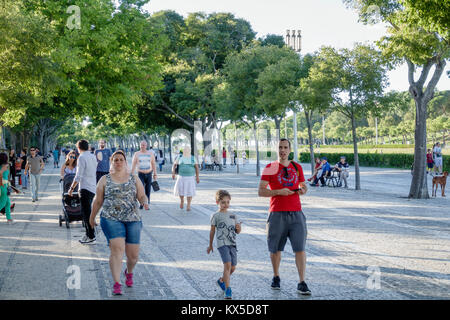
{"x":295,"y":42}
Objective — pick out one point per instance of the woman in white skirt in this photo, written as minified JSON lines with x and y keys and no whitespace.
{"x":186,"y":183}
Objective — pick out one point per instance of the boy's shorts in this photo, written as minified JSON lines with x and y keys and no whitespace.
{"x":228,"y":254}
{"x":283,"y":225}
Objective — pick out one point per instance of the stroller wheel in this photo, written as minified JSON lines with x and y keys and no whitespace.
{"x":60,"y":221}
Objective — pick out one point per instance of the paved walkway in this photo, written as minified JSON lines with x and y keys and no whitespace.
{"x":354,"y":239}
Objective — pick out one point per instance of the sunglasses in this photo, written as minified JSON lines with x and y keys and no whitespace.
{"x":73,"y":157}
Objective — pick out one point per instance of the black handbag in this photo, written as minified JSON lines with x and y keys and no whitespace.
{"x":155,"y":186}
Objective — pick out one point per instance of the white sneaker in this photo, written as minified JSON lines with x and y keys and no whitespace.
{"x":11,"y":222}
{"x":87,"y":240}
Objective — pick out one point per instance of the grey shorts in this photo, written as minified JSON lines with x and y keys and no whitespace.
{"x":228,"y":254}
{"x":283,"y":225}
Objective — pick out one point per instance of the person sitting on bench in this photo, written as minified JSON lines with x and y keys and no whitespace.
{"x":342,"y":167}
{"x":326,"y":170}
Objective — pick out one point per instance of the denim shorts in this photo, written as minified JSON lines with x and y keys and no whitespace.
{"x":228,"y":254}
{"x":283,"y":225}
{"x":130,"y":230}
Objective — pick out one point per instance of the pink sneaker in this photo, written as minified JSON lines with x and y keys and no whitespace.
{"x":117,"y":289}
{"x":129,"y":278}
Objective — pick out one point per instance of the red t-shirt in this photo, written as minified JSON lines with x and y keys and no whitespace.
{"x":275,"y":174}
{"x":429,"y":158}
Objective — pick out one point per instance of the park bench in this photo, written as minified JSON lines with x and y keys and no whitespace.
{"x":333,"y":178}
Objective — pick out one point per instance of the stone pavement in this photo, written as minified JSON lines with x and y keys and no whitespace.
{"x":368,"y":244}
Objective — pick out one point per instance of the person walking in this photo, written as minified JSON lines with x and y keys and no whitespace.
{"x":12,"y":166}
{"x":430,"y":161}
{"x":70,"y":165}
{"x":224,"y":156}
{"x":437,"y":157}
{"x":56,"y":155}
{"x":185,"y":186}
{"x":23,"y":163}
{"x":5,"y":202}
{"x":35,"y":166}
{"x":103,"y":155}
{"x":227,"y":227}
{"x":85,"y":178}
{"x":144,"y":161}
{"x":286,"y":219}
{"x":120,"y":219}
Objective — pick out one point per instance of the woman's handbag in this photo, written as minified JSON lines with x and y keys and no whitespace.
{"x":155,"y":185}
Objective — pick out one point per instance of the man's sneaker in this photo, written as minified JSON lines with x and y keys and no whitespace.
{"x":11,"y":222}
{"x":129,"y":278}
{"x":275,"y":283}
{"x":228,"y":294}
{"x":87,"y":240}
{"x":221,"y":284}
{"x":117,"y":289}
{"x":302,"y":288}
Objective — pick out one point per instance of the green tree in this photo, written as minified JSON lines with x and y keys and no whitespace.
{"x":359,"y":77}
{"x":418,"y":34}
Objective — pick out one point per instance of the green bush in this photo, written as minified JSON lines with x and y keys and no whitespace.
{"x":386,"y":160}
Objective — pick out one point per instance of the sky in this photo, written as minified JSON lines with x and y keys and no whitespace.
{"x":322,"y":23}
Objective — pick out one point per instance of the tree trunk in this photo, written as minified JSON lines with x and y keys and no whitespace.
{"x":257,"y":149}
{"x":355,"y":154}
{"x":419,"y":188}
{"x":277,"y":126}
{"x":308,"y":115}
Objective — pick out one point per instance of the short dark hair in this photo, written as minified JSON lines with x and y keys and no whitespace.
{"x":83,"y":145}
{"x":285,"y":139}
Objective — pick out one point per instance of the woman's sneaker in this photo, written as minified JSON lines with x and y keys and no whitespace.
{"x":117,"y":289}
{"x":129,"y":278}
{"x":302,"y":288}
{"x":221,"y":284}
{"x":228,"y":294}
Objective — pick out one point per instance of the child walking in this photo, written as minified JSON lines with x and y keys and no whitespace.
{"x":227,"y":227}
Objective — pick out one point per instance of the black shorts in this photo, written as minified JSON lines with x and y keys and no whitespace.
{"x":283,"y":225}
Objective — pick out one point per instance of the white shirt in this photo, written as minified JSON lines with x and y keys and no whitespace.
{"x":86,"y":172}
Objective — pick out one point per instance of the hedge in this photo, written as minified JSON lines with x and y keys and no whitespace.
{"x":386,"y":160}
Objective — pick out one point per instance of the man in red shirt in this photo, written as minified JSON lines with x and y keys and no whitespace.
{"x":286,"y":219}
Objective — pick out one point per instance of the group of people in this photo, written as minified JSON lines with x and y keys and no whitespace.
{"x":434,"y":159}
{"x":106,"y":185}
{"x":322,"y":169}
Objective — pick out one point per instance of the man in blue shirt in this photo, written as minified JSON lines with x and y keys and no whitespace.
{"x":326,"y":169}
{"x":103,"y":155}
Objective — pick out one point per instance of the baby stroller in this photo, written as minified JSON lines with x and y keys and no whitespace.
{"x":71,"y":204}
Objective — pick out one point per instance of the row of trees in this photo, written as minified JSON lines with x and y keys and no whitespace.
{"x":136,"y":74}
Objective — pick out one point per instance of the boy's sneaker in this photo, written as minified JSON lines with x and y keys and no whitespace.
{"x":87,"y":240}
{"x":221,"y":284}
{"x":276,"y":283}
{"x":302,"y":288}
{"x":228,"y":293}
{"x":117,"y":289}
{"x":129,"y":278}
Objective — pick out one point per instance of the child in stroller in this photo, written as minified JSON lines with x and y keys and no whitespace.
{"x":71,"y":204}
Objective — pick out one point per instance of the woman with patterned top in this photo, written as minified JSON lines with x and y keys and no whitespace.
{"x":120,"y":219}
